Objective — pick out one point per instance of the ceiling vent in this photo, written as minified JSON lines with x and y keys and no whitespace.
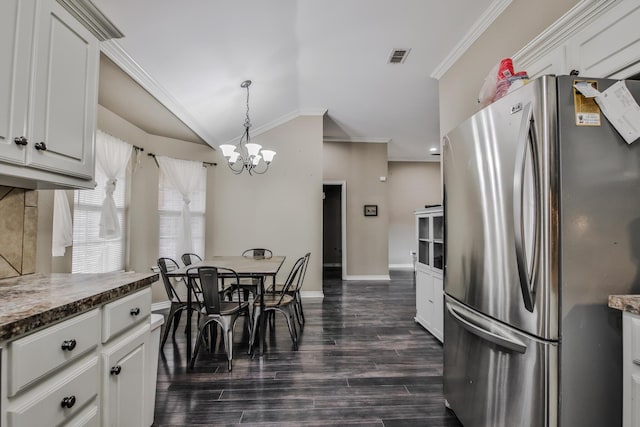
{"x":398,"y":56}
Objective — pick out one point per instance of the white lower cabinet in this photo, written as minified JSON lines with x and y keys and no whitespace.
{"x":630,"y":370}
{"x":66,"y":375}
{"x":57,"y":401}
{"x":429,"y":302}
{"x":124,"y":379}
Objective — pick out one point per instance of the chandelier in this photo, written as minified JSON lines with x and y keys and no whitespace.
{"x":249,"y":156}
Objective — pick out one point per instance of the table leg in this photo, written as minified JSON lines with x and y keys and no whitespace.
{"x":189,"y":313}
{"x":263,"y":323}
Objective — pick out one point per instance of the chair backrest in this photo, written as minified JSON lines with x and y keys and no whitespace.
{"x":258,"y":253}
{"x":302,"y":275}
{"x":293,"y":277}
{"x":210,"y":286}
{"x":165,"y":265}
{"x":187,"y":259}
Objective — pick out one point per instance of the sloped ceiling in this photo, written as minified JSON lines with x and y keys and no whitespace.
{"x":302,"y":56}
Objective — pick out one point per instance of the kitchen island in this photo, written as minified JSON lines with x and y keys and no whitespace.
{"x":630,"y":307}
{"x":75,"y":348}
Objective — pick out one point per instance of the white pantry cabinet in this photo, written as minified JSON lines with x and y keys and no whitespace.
{"x":429,"y":285}
{"x":48,"y":96}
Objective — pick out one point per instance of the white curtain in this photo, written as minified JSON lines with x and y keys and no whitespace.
{"x":183,"y":176}
{"x":62,"y":233}
{"x":112,"y":156}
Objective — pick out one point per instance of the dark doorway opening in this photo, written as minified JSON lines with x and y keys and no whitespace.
{"x":332,"y":231}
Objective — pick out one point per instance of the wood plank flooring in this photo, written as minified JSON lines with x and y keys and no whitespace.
{"x":362,"y":361}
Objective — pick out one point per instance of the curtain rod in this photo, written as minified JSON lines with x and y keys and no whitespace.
{"x":156,"y":160}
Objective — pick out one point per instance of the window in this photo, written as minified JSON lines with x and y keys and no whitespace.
{"x":170,"y":205}
{"x":92,"y":254}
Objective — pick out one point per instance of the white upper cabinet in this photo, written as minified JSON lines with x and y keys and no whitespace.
{"x":49,"y":91}
{"x":597,"y":39}
{"x":65,"y":93}
{"x":16,"y":29}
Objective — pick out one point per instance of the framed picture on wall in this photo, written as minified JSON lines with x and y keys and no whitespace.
{"x":370,"y":210}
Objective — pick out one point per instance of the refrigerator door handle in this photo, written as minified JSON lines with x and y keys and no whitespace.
{"x":500,"y":339}
{"x":526,"y":139}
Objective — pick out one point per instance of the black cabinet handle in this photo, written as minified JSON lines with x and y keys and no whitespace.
{"x":40,"y":146}
{"x":135,"y":311}
{"x":20,"y":140}
{"x":68,"y":402}
{"x":116,"y":370}
{"x":69,"y":345}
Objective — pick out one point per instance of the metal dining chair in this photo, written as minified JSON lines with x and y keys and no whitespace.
{"x":187,"y":259}
{"x":295,"y":290}
{"x":281,"y":302}
{"x":250,"y":285}
{"x":217,"y":311}
{"x":177,"y":304}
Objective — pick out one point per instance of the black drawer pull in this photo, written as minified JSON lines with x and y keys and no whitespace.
{"x":69,"y":345}
{"x":40,"y":146}
{"x":68,"y":402}
{"x":135,"y":311}
{"x":116,"y":370}
{"x":20,"y":140}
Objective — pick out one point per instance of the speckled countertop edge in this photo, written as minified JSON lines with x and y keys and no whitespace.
{"x":628,"y":303}
{"x":37,"y":300}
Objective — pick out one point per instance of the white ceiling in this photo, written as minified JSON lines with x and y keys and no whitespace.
{"x":303,"y":56}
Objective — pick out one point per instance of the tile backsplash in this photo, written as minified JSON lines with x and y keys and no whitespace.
{"x":18,"y":231}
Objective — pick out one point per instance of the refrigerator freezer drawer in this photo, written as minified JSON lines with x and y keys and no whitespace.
{"x":496,"y":376}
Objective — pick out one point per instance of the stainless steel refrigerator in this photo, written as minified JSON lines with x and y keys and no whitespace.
{"x":542,"y":223}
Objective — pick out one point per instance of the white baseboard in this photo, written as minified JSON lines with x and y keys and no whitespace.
{"x":312,"y":294}
{"x":400,"y":266}
{"x":381,"y":277}
{"x":163,"y":305}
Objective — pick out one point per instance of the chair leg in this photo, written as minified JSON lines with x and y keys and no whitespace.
{"x":300,"y":306}
{"x":172,"y":318}
{"x":195,"y":350}
{"x":288,"y":315}
{"x":252,"y":337}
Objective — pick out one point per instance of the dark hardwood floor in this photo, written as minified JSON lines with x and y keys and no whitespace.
{"x":362,"y":361}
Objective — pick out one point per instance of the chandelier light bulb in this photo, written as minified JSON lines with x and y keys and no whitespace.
{"x":267,"y":155}
{"x":228,"y":150}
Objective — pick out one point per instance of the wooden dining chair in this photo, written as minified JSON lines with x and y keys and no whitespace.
{"x":178,"y":305}
{"x":217,"y":311}
{"x":281,"y":302}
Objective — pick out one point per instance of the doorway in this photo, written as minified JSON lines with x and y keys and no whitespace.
{"x":333,"y":230}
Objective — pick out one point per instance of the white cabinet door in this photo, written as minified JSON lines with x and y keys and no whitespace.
{"x":65,"y":94}
{"x":437,"y":320}
{"x":16,"y":29}
{"x":124,"y":379}
{"x":423,"y":295}
{"x":609,"y":44}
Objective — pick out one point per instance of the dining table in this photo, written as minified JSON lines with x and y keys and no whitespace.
{"x":261,"y":268}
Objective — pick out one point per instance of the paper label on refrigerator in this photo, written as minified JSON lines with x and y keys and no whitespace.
{"x":584,"y":101}
{"x":621,"y":110}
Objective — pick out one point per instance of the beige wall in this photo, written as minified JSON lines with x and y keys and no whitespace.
{"x":361,"y":165}
{"x":280,"y":210}
{"x":520,"y":23}
{"x":411,"y":185}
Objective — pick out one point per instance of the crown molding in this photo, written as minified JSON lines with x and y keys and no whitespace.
{"x":92,"y":18}
{"x":122,"y":59}
{"x":357,"y":139}
{"x":280,"y":121}
{"x":486,"y":19}
{"x":560,"y":31}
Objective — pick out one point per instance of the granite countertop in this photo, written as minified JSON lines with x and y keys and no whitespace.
{"x":35,"y":300}
{"x":629,"y":303}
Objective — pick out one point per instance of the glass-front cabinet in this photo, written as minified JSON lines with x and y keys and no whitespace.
{"x":428,"y":270}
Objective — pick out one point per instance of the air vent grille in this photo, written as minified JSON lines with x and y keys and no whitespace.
{"x":398,"y":56}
